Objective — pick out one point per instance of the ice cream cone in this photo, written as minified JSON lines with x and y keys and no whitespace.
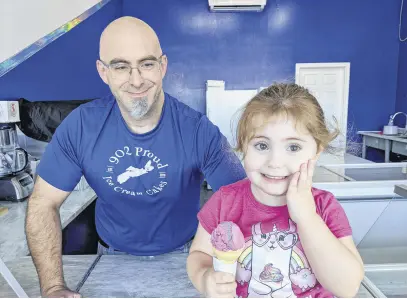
{"x":226,"y":261}
{"x":228,"y":257}
{"x":227,"y":245}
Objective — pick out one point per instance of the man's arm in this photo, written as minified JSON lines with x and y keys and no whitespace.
{"x":44,"y":237}
{"x":216,"y":159}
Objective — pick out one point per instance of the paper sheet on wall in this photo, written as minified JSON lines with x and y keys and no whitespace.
{"x":224,"y":107}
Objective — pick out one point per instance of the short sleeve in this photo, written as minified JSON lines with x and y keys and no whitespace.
{"x":215,"y":157}
{"x":59,"y":165}
{"x":334,"y":215}
{"x":209,"y":215}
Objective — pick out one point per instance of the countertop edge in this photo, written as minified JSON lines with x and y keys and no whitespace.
{"x":382,"y":136}
{"x":13,"y":242}
{"x":401,"y":190}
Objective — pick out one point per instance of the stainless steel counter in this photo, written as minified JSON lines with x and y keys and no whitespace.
{"x":362,"y":180}
{"x":387,"y":143}
{"x":122,"y":276}
{"x":390,"y":279}
{"x":23,"y":270}
{"x":13,"y":241}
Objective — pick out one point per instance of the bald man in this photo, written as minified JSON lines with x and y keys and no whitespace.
{"x":143,"y":152}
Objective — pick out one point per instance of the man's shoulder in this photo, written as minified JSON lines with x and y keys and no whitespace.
{"x":98,"y":104}
{"x":191,"y":120}
{"x":183,"y":110}
{"x":87,"y":115}
{"x":92,"y":110}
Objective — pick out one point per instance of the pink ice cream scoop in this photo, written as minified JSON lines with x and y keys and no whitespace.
{"x":227,"y":236}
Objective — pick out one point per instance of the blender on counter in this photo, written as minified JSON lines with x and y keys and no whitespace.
{"x":16,"y":184}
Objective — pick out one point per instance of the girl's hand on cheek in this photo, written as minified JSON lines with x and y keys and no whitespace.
{"x":300,"y":201}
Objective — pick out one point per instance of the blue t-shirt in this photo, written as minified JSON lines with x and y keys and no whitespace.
{"x":148,"y":185}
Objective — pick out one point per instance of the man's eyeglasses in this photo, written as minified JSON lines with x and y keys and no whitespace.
{"x":121,"y":71}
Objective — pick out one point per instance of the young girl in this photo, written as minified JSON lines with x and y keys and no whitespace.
{"x":298,"y":239}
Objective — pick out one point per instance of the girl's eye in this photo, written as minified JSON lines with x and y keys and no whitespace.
{"x":294,"y":148}
{"x":261,"y":146}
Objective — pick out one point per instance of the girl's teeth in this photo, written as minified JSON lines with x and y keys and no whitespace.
{"x":275,"y":177}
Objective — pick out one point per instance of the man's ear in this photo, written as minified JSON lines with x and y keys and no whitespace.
{"x":102,"y":70}
{"x":164,"y":65}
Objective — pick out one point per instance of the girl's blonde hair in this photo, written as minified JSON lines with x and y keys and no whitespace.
{"x":289,"y":100}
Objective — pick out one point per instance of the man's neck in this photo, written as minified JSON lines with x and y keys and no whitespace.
{"x":149,"y":122}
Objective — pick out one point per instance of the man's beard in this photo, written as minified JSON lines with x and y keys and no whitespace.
{"x":139,"y":108}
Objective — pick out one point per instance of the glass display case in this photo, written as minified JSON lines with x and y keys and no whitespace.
{"x":360,"y":181}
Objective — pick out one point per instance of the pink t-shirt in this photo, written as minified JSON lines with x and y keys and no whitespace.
{"x":273,"y":263}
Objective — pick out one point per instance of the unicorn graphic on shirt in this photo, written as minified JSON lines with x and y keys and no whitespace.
{"x":265,"y":270}
{"x":270,"y":265}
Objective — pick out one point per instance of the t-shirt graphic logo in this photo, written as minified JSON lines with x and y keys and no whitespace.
{"x":118,"y":178}
{"x":274,"y":265}
{"x":132,"y":172}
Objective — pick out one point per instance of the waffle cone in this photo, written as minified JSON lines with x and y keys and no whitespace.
{"x":228,"y":257}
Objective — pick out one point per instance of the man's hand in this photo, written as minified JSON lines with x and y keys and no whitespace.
{"x":60,"y":292}
{"x":219,"y":284}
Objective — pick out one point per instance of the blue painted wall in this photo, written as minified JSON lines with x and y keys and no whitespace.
{"x":401,"y":103}
{"x":247,"y":50}
{"x":65,"y":69}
